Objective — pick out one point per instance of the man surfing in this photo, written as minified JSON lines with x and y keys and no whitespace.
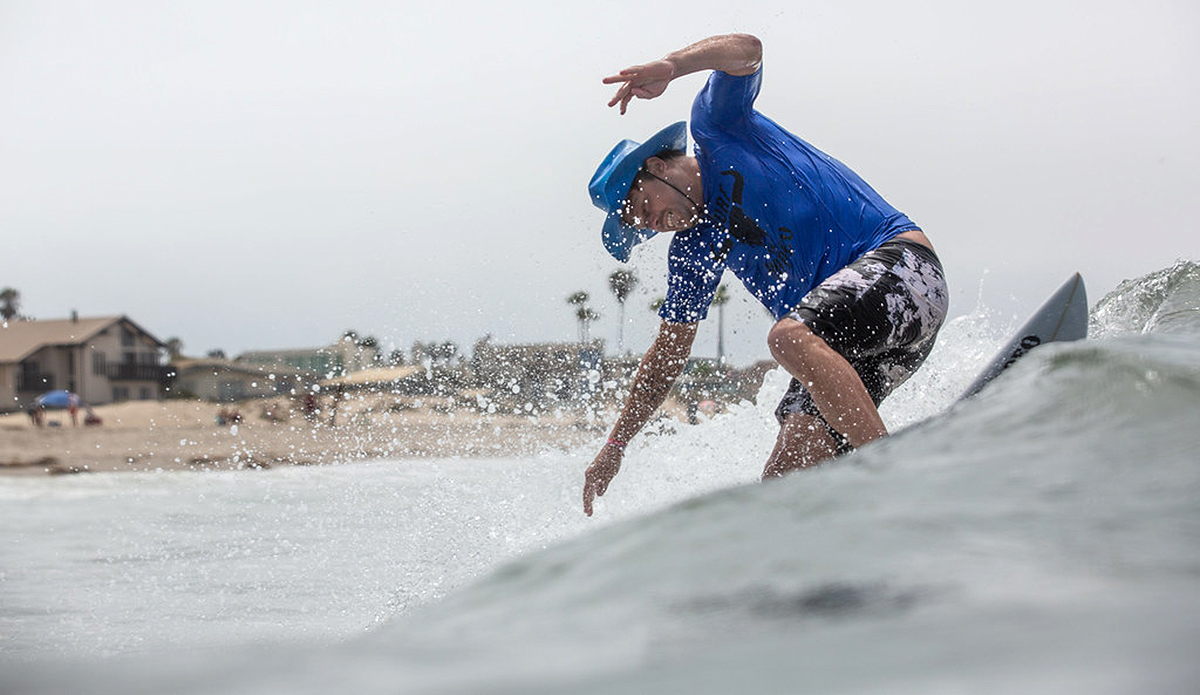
{"x":856,"y":290}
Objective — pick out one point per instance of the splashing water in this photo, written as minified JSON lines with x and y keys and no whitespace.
{"x":1042,"y":536}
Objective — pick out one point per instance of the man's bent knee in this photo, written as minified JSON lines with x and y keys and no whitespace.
{"x":796,"y":347}
{"x":787,"y":335}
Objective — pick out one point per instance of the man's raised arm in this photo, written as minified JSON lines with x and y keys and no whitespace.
{"x":659,"y":369}
{"x":736,"y":54}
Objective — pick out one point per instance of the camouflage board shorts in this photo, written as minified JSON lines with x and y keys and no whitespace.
{"x":882,"y":313}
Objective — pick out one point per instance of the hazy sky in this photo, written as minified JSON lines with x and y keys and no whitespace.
{"x":249,"y":175}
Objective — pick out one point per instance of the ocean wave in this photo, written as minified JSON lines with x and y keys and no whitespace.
{"x":1167,"y":300}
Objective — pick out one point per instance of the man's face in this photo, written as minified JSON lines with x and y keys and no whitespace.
{"x":652,"y":204}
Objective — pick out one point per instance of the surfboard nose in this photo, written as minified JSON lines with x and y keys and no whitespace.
{"x":1063,"y":317}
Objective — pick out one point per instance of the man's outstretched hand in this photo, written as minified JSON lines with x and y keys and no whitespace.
{"x":600,"y":474}
{"x":641,"y":81}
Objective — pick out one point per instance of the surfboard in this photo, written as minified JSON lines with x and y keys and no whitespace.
{"x":1063,"y":317}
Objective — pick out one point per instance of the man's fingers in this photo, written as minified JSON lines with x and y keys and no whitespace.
{"x":624,"y":76}
{"x":622,"y":99}
{"x":621,"y":91}
{"x":627,"y":90}
{"x":623,"y":95}
{"x":588,"y":496}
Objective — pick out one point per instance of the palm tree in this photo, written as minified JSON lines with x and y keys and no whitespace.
{"x":622,"y":282}
{"x":719,"y":300}
{"x":583,"y":313}
{"x":10,"y":303}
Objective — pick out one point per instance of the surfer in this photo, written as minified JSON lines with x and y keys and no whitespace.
{"x":854,"y":286}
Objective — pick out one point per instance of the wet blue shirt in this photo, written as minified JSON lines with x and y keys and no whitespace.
{"x":779,"y":213}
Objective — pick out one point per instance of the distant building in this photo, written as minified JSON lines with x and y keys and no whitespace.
{"x":103,"y":360}
{"x":346,"y":355}
{"x":536,"y":373}
{"x":222,"y":381}
{"x":316,"y":361}
{"x":708,"y":379}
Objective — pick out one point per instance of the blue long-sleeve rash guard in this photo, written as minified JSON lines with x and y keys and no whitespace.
{"x":779,"y":213}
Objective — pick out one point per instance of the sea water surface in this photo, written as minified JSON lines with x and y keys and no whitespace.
{"x":1043,"y":537}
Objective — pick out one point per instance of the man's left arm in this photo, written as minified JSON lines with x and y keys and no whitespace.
{"x":735,"y":54}
{"x":659,"y":369}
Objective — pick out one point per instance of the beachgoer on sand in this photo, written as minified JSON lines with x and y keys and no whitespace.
{"x":857,"y":293}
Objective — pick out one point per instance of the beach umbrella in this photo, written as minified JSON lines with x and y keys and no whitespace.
{"x":56,"y":399}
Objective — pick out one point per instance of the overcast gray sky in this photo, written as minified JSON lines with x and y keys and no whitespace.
{"x":249,"y":175}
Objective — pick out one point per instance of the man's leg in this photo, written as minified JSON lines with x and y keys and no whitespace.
{"x":803,"y":441}
{"x":835,"y":388}
{"x":884,"y":310}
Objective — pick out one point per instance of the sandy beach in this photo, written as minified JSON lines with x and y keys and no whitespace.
{"x":189,"y":435}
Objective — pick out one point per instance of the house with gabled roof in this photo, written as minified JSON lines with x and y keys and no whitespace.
{"x":103,"y":359}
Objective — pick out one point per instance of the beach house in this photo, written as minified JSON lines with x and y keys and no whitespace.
{"x":537,"y":373}
{"x":102,"y":359}
{"x":349,"y":354}
{"x":225,"y":381}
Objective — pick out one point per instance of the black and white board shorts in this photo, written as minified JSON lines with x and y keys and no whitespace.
{"x":882,"y":313}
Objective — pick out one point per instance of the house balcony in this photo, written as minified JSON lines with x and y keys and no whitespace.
{"x":137,"y":372}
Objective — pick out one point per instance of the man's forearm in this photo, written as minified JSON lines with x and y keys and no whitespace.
{"x":656,"y":374}
{"x":650,"y":388}
{"x":736,"y":54}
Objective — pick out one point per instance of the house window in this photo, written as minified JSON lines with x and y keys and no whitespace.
{"x":145,"y":394}
{"x":99,"y":364}
{"x":120,"y":393}
{"x":32,"y":379}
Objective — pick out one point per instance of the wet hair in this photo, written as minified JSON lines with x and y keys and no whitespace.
{"x":668,"y":155}
{"x":665,"y":155}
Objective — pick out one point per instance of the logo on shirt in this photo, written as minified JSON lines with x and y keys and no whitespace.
{"x":741,"y":226}
{"x":746,"y":230}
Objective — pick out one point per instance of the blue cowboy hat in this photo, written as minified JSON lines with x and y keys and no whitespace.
{"x":610,"y":185}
